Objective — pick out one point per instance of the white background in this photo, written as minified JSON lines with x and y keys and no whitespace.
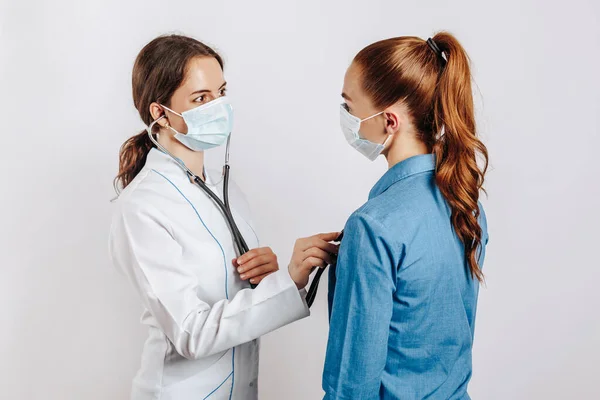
{"x":69,"y":323}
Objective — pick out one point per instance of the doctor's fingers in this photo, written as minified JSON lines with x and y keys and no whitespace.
{"x":329,"y":237}
{"x":318,"y":253}
{"x":258,"y":271}
{"x":258,"y":279}
{"x":312,"y":262}
{"x":258,"y":261}
{"x":316,"y":241}
{"x":254,"y":253}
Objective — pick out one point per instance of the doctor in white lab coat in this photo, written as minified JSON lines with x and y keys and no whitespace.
{"x":174,"y":246}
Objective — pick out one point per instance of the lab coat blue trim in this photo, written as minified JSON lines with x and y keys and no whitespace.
{"x":232,"y":375}
{"x":206,"y":227}
{"x":217,"y":388}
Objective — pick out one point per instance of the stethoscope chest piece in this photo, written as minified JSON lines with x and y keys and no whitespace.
{"x":314,"y":286}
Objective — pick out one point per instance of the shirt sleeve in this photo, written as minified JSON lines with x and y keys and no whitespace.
{"x":144,"y":249}
{"x":361,"y":313}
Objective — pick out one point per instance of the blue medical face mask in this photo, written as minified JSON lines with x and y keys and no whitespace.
{"x":209,"y":125}
{"x":351,"y":128}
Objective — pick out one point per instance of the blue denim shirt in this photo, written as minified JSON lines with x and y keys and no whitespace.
{"x":401,"y":298}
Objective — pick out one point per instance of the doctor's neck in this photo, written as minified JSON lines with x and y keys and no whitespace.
{"x":194,"y":160}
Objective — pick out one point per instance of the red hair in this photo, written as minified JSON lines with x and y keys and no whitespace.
{"x":437,"y":92}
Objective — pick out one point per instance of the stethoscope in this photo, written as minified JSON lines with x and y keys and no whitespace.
{"x":314,"y":286}
{"x":241,"y":247}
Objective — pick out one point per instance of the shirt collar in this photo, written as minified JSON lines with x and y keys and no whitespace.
{"x":409,"y":167}
{"x":165,"y":164}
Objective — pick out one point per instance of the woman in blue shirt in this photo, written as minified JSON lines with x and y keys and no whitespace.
{"x":403,"y":295}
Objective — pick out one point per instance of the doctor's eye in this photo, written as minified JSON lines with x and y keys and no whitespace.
{"x":200,"y":99}
{"x":346,"y":107}
{"x":223,"y":92}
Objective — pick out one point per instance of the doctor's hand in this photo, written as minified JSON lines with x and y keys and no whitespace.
{"x":311,"y":252}
{"x":256,"y":264}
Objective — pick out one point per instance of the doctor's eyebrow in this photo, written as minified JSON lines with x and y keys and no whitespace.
{"x":345,"y":96}
{"x":206,"y":90}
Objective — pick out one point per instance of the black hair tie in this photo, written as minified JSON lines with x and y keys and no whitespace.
{"x":433,"y":45}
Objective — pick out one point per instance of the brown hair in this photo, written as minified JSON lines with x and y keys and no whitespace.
{"x":437,"y":92}
{"x":158,"y":71}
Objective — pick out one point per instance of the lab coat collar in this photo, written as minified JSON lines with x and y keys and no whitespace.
{"x":163,"y":163}
{"x":409,"y":167}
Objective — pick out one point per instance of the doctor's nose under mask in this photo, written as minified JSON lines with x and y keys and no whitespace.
{"x":209,"y":125}
{"x":351,"y":127}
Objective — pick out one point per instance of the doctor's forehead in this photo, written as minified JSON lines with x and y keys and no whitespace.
{"x":203,"y":73}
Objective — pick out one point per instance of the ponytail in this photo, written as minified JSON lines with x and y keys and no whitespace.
{"x":433,"y":80}
{"x":132,"y":158}
{"x":457,"y":148}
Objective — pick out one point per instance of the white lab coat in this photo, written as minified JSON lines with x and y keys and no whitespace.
{"x":174,"y":245}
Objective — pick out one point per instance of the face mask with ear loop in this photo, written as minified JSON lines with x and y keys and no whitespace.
{"x":209,"y":126}
{"x":350,"y":125}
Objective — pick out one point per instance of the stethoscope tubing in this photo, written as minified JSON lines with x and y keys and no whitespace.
{"x":240,"y":244}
